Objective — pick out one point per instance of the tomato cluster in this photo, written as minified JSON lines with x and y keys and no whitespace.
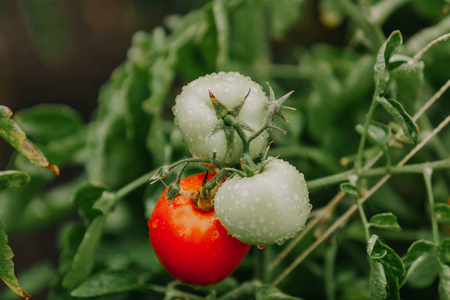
{"x":203,"y":225}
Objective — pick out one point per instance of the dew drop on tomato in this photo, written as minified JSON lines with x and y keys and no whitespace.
{"x":261,"y":247}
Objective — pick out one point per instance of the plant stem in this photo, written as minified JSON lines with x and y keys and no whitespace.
{"x":408,"y":169}
{"x":427,"y":173}
{"x":330,"y":262}
{"x":363,"y":217}
{"x":362,"y":143}
{"x":134,"y":184}
{"x":419,"y":55}
{"x":223,"y":33}
{"x":346,"y":216}
{"x":324,"y":212}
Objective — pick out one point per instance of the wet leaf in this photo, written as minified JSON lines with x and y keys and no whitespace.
{"x":7,"y":265}
{"x":107,"y":282}
{"x":12,"y":134}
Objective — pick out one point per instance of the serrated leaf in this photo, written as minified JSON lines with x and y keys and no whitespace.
{"x":12,"y":134}
{"x":377,"y":135}
{"x":385,"y":221}
{"x":7,"y":265}
{"x":268,"y":292}
{"x":350,"y":190}
{"x":442,"y":211}
{"x":401,"y":117}
{"x":393,"y":267}
{"x":107,"y":282}
{"x":381,"y":75}
{"x":444,"y":282}
{"x":420,"y":264}
{"x":11,"y":179}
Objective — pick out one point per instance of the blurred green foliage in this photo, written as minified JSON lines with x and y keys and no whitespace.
{"x":105,"y":253}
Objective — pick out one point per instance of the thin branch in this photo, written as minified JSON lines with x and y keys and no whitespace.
{"x":346,"y":216}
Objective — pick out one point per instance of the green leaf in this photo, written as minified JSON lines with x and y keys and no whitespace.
{"x":444,"y":282}
{"x":85,"y":256}
{"x":107,"y":282}
{"x":393,"y":267}
{"x":34,"y":279}
{"x":381,"y":75}
{"x":377,"y":281}
{"x":420,"y":264}
{"x":401,"y":117}
{"x":45,"y":123}
{"x":11,"y":179}
{"x":445,"y":250}
{"x":84,"y":259}
{"x":409,"y":81}
{"x":12,"y":134}
{"x":5,"y":113}
{"x":385,"y":221}
{"x":378,"y":135}
{"x":7,"y":265}
{"x":283,"y":14}
{"x":268,"y":292}
{"x":85,"y":197}
{"x":350,"y":190}
{"x":442,"y":211}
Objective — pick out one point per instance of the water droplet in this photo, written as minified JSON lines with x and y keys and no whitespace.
{"x":227,"y":90}
{"x":269,"y":204}
{"x":230,"y":79}
{"x":201,"y":104}
{"x":261,"y":219}
{"x":283,"y":185}
{"x":252,"y":224}
{"x":245,"y":192}
{"x":296,"y":196}
{"x":261,"y":246}
{"x":237,"y":186}
{"x":217,"y":85}
{"x":240,"y":225}
{"x":189,"y":111}
{"x":257,"y":199}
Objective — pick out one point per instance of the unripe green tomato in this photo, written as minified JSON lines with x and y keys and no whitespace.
{"x":267,"y":208}
{"x":195,"y":115}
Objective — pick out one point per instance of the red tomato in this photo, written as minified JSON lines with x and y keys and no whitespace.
{"x":192,"y":245}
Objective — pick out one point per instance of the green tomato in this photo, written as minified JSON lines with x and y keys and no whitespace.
{"x":195,"y":115}
{"x":267,"y":208}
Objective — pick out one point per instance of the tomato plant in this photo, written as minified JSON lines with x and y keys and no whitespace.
{"x":192,"y":244}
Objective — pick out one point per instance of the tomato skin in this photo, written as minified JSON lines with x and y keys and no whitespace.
{"x":192,"y":245}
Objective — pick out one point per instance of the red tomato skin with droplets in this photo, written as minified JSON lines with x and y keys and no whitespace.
{"x":192,"y":245}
